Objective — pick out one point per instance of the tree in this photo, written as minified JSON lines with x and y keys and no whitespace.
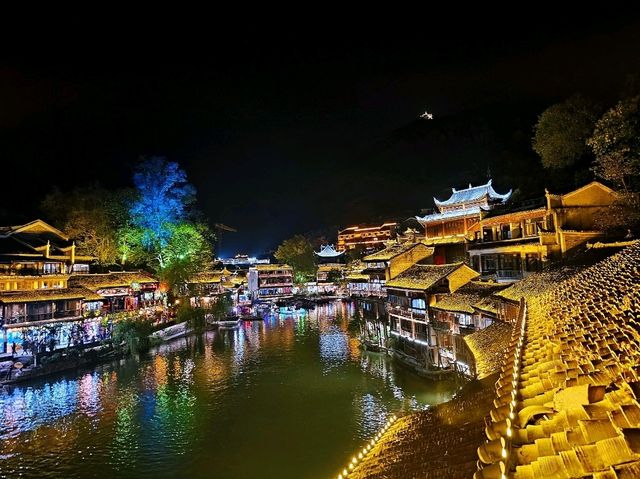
{"x":189,"y":251}
{"x":562,"y":130}
{"x":616,"y":144}
{"x":91,"y":216}
{"x":297,"y":252}
{"x":164,"y":196}
{"x":622,"y":217}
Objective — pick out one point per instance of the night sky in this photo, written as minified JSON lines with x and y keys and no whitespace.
{"x":287,"y":132}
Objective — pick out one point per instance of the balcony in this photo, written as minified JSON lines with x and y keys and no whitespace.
{"x":45,"y":317}
{"x":408,"y":314}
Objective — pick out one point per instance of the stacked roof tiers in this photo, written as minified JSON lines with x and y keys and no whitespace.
{"x":568,"y":396}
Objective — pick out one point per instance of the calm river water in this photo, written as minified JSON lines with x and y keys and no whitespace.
{"x":290,"y":397}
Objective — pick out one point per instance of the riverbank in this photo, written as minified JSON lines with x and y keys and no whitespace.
{"x":28,"y":371}
{"x":436,"y":443}
{"x":74,"y":359}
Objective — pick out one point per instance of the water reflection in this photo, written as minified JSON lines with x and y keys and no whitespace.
{"x":288,"y":396}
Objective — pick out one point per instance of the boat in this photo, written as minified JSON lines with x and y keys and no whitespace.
{"x":229,"y":322}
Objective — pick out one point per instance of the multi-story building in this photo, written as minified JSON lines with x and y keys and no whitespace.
{"x":270,"y":281}
{"x":409,"y":298}
{"x":448,"y":228}
{"x":367,"y":238}
{"x":384,"y":265}
{"x":122,"y":290}
{"x":36,"y":260}
{"x":513,"y":242}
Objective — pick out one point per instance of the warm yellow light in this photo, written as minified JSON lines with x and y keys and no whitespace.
{"x":509,"y":432}
{"x":351,"y":466}
{"x":360,"y":456}
{"x":354,"y":460}
{"x":504,"y":452}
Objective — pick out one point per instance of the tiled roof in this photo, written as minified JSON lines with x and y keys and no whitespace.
{"x":272,"y":267}
{"x":568,"y":402}
{"x":537,"y":283}
{"x":473,"y":193}
{"x":47,"y":295}
{"x":208,"y":277}
{"x":330,"y":267}
{"x":110,"y":280}
{"x":466,"y":298}
{"x":488,"y":346}
{"x":474,"y":210}
{"x":392,"y":251}
{"x":443,"y":241}
{"x":422,"y":276}
{"x":328,"y":251}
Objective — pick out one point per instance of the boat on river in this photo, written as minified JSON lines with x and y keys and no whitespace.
{"x":229,"y":322}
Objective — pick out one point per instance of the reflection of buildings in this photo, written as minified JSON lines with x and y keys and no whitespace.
{"x":365,"y":237}
{"x":511,"y":243}
{"x":270,"y":281}
{"x":447,"y":229}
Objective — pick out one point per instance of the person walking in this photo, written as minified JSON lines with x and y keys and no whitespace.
{"x":13,"y":349}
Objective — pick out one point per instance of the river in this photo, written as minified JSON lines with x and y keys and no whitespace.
{"x":288,"y":397}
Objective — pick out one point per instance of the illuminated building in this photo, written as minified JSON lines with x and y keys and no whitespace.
{"x":448,"y":228}
{"x":122,"y":290}
{"x":330,"y":269}
{"x":243,"y":260}
{"x":35,"y":262}
{"x":270,"y":281}
{"x":512,"y":242}
{"x":365,"y":237}
{"x":409,"y":298}
{"x":385,"y":265}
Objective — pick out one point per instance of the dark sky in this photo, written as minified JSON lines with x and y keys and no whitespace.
{"x":291,"y":131}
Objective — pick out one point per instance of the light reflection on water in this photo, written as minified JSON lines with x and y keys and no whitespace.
{"x":289,"y":397}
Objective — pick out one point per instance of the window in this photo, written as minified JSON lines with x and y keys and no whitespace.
{"x":489,"y":263}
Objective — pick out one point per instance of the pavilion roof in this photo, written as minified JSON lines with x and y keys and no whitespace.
{"x":447,"y":215}
{"x":328,"y":251}
{"x":473,"y":193}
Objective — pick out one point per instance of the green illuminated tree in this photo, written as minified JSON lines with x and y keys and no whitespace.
{"x":188,"y":251}
{"x":562,"y":130}
{"x":297,"y":252}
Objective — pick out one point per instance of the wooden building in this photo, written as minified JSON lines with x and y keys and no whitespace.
{"x":449,"y":226}
{"x":409,"y":297}
{"x":388,"y":263}
{"x":270,"y":281}
{"x":367,"y":238}
{"x":512,"y":243}
{"x":123,"y":290}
